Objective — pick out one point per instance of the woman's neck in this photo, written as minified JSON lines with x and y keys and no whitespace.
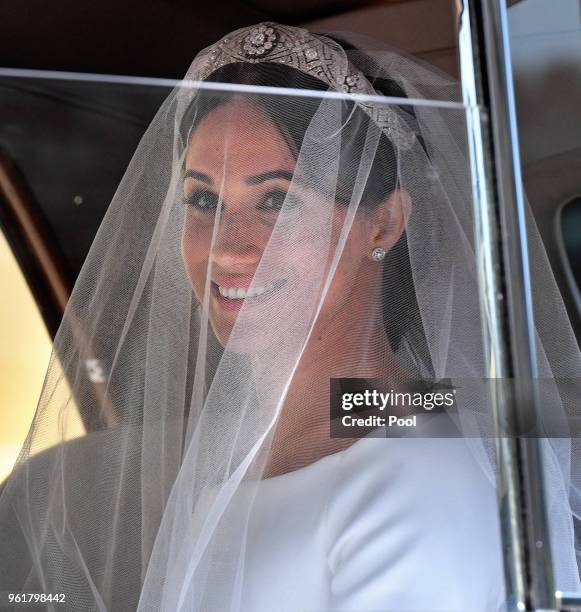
{"x":346,"y":347}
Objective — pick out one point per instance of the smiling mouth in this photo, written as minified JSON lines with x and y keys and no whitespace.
{"x":243,"y":293}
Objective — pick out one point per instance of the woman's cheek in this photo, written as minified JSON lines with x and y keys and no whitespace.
{"x":196,"y":244}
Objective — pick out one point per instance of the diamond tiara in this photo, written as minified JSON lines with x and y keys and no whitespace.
{"x":299,"y":49}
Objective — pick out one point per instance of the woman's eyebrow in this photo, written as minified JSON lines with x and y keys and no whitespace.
{"x":267,"y":176}
{"x":200,"y":176}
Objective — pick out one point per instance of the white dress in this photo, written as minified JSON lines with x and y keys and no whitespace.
{"x":387,"y":524}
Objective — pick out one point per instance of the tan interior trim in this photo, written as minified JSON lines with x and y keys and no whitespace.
{"x":16,"y":195}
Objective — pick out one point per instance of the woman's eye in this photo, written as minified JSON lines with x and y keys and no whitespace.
{"x":275,"y":200}
{"x":203,"y":200}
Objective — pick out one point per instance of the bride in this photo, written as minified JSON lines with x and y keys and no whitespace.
{"x":297,"y":219}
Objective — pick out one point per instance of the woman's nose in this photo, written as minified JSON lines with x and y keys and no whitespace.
{"x":237,"y":247}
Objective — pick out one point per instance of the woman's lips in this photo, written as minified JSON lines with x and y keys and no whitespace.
{"x":246,"y":292}
{"x":231,"y":295}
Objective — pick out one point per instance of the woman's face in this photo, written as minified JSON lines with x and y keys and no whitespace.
{"x":259,"y":258}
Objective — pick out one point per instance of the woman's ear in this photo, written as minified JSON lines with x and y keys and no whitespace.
{"x":390,"y":219}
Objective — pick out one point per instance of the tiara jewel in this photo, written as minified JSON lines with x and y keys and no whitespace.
{"x":260,"y":42}
{"x":311,"y":54}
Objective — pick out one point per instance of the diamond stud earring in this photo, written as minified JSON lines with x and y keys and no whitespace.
{"x":378,"y":254}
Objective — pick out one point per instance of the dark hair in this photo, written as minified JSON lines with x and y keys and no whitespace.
{"x":292,"y":116}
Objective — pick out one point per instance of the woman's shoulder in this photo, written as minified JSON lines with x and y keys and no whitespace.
{"x":422,"y":455}
{"x":414,"y":517}
{"x":79,"y":459}
{"x":81,"y":480}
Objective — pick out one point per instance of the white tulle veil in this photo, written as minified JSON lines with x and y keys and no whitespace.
{"x":190,"y":410}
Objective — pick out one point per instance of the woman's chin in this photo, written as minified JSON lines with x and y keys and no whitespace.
{"x":236,"y":340}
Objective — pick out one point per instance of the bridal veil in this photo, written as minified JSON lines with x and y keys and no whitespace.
{"x":181,"y":374}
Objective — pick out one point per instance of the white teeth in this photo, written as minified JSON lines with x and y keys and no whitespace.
{"x":241,"y":293}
